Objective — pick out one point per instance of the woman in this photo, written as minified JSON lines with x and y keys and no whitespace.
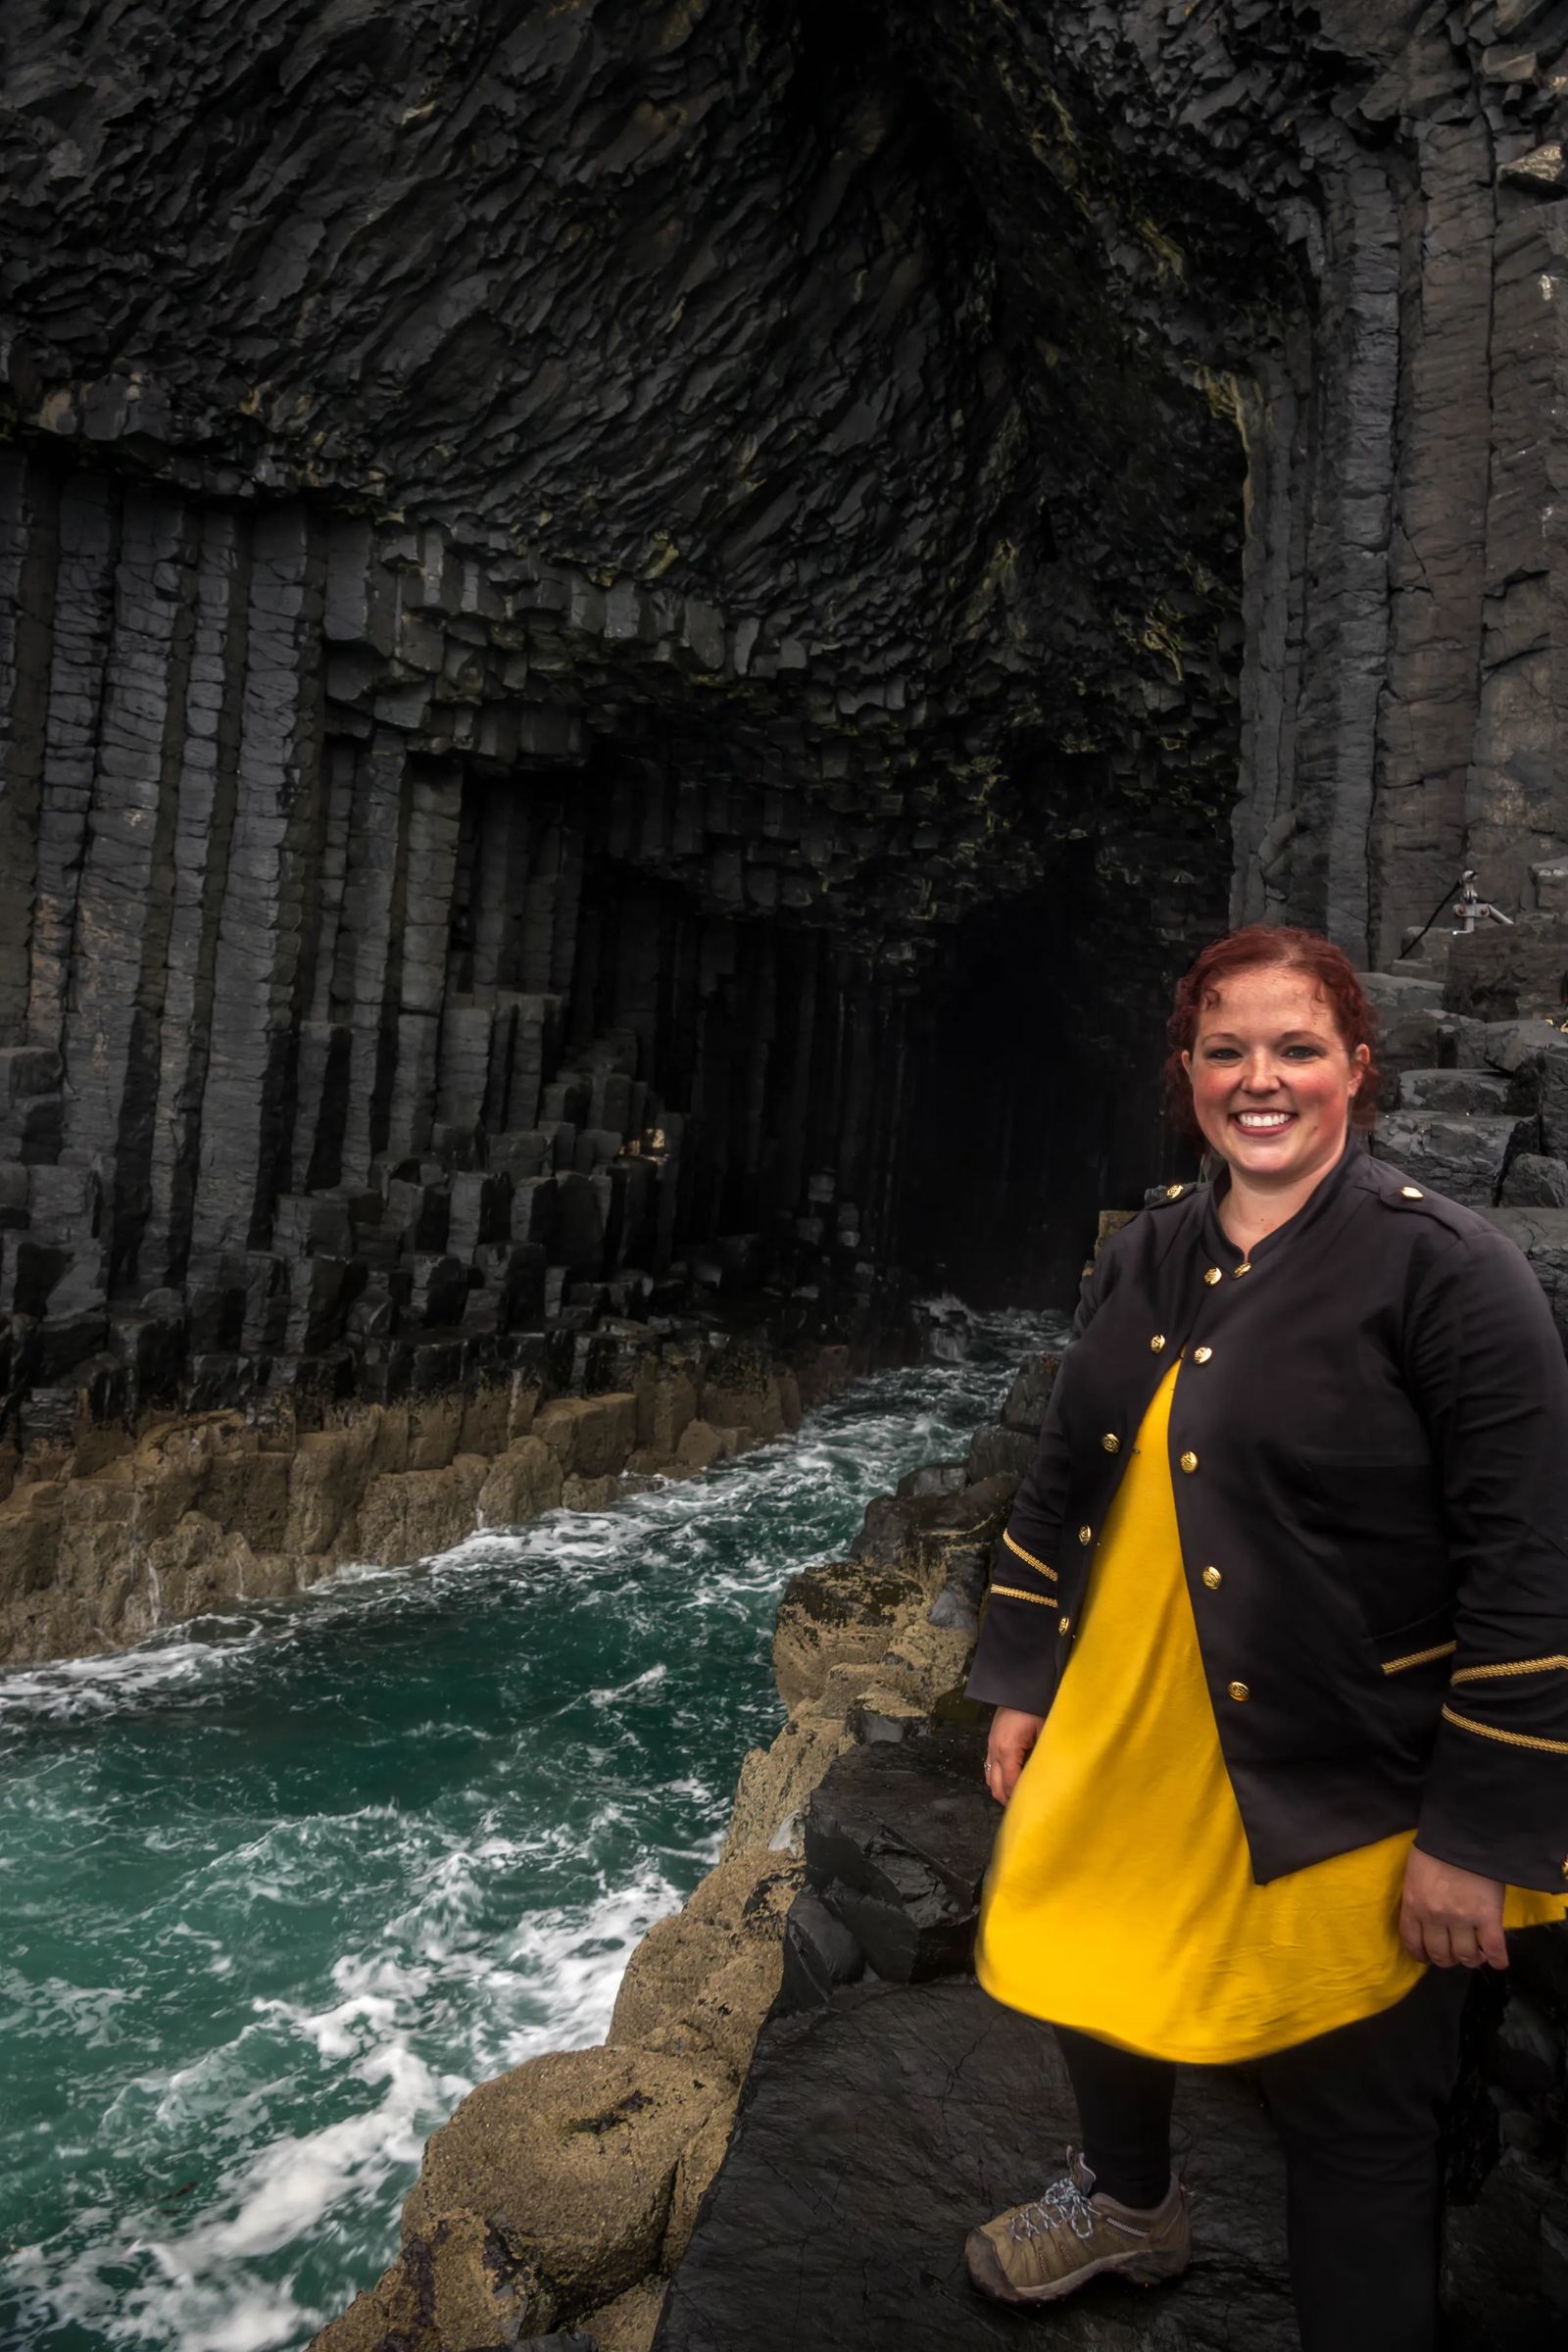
{"x":1279,"y":1654}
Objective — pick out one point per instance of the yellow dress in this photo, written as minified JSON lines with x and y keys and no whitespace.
{"x":1120,"y":1897}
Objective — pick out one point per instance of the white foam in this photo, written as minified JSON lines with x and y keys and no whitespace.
{"x":364,"y":2051}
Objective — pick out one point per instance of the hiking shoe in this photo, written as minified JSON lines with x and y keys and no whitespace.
{"x":1036,"y":2253}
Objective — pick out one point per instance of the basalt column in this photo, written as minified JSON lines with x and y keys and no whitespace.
{"x":354,"y":1006}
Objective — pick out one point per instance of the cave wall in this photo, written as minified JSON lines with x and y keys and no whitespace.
{"x":760,"y":573}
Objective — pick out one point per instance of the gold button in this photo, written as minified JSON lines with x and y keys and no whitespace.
{"x":1173,"y":1192}
{"x":1212,"y":1579}
{"x":1065,"y":1625}
{"x":1189,"y":1461}
{"x":1200,"y":1355}
{"x":1238,"y":1691}
{"x":1156,"y":1344}
{"x":1245,"y":1266}
{"x":1086,"y":1535}
{"x":1212,"y":1276}
{"x":1411,"y":1192}
{"x":1110,"y":1441}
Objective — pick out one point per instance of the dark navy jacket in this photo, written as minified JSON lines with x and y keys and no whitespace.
{"x":1370,"y":1453}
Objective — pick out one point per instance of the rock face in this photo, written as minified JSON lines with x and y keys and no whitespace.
{"x":107,"y":1532}
{"x":659,"y":571}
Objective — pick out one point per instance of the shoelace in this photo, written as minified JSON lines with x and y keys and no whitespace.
{"x":1062,"y":2206}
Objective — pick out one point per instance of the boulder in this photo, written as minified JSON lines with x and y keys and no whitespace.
{"x":877,"y":2132}
{"x":458,"y":2289}
{"x":897,"y":1842}
{"x":626,"y":2325}
{"x":1533,"y":1181}
{"x":1457,"y":1091}
{"x":939,"y":1538}
{"x":1414,"y":1032}
{"x":570,"y":2160}
{"x":1462,"y":1157}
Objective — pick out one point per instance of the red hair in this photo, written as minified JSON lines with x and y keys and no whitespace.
{"x":1261,"y":946}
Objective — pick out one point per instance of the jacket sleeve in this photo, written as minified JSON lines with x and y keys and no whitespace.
{"x":1014,"y":1660}
{"x":1488,"y":1370}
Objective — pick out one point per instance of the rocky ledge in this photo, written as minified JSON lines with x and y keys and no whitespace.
{"x":110,"y":1529}
{"x":562,"y":2194}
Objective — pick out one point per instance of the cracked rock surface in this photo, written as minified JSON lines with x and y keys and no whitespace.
{"x":927,"y":2109}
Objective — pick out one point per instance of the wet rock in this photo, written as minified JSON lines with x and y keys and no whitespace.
{"x":571,"y":2159}
{"x":526,"y":1481}
{"x":742,"y":1392}
{"x":412,"y":1514}
{"x":1030,"y":1393}
{"x":995,"y":1449}
{"x":933,"y":1478}
{"x":701,"y":1446}
{"x":874,"y":2136}
{"x":592,"y":1435}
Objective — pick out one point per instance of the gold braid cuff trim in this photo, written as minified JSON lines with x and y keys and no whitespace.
{"x":1486,"y":1730}
{"x":1029,"y":1558}
{"x":1420,"y":1657}
{"x":1042,"y":1601}
{"x":1489,"y":1674}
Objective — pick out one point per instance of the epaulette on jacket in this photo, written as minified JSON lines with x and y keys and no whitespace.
{"x":1396,"y":1191}
{"x":1160,"y":1195}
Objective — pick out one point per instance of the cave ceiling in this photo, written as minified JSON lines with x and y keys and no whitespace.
{"x":836,"y":399}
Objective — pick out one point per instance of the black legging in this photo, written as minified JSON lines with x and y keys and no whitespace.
{"x":1360,"y":2112}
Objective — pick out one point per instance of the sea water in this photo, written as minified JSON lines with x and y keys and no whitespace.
{"x":279,"y":1887}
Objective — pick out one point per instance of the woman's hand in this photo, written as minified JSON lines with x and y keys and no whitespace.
{"x":1013,"y":1735}
{"x":1449,"y":1916}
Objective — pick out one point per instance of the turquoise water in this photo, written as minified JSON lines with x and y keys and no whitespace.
{"x":278,"y":1887}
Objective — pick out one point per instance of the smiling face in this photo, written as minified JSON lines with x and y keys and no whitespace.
{"x":1272,"y":1078}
